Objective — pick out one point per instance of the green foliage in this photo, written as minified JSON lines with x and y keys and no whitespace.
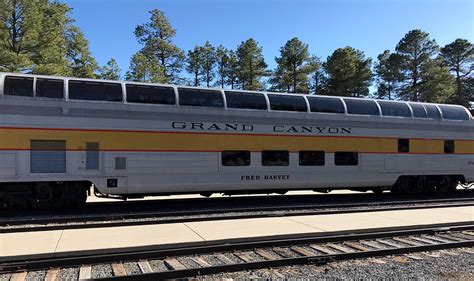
{"x":251,"y":65}
{"x":437,"y":83}
{"x":294,"y":65}
{"x":81,"y":62}
{"x":143,"y":70}
{"x":387,"y":70}
{"x":459,"y":58}
{"x":156,"y":36}
{"x":232,"y":71}
{"x":194,"y":63}
{"x":416,"y":49}
{"x":222,"y":62}
{"x":38,"y":36}
{"x":110,"y":71}
{"x":208,"y":62}
{"x":348,"y":73}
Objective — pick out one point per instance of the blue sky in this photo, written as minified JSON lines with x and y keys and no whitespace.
{"x":369,"y":25}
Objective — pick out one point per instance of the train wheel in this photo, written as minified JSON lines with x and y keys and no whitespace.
{"x":377,"y":190}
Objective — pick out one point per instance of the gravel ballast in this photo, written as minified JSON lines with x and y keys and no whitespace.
{"x":446,"y":266}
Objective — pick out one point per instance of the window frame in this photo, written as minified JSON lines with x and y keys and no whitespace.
{"x":347,"y":102}
{"x":19,"y":77}
{"x":449,"y":146}
{"x":63,"y":82}
{"x":116,"y":84}
{"x":200,"y":92}
{"x":137,"y":85}
{"x":247,"y":158}
{"x":270,"y":96}
{"x":318,"y":164}
{"x":315,"y":98}
{"x":264,"y":162}
{"x":346,"y":164}
{"x":237,"y":93}
{"x":403,"y":147}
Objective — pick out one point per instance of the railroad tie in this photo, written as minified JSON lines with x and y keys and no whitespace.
{"x":406,"y":241}
{"x":423,"y":240}
{"x":243,"y":256}
{"x":144,"y":266}
{"x":341,"y":248}
{"x":388,"y":243}
{"x":437,"y":239}
{"x":357,"y":246}
{"x":323,"y":249}
{"x":451,"y":237}
{"x":19,"y":276}
{"x":286,"y":253}
{"x":52,"y":275}
{"x":302,"y":251}
{"x":414,"y":257}
{"x":224,"y":259}
{"x":373,"y":245}
{"x":85,"y":272}
{"x":201,"y":262}
{"x":265,"y":254}
{"x":174,"y":264}
{"x":118,"y":269}
{"x":468,"y":233}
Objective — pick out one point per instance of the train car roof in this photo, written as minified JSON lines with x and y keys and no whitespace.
{"x":271,"y":101}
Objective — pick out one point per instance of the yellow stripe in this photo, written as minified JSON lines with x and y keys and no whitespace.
{"x":20,"y":139}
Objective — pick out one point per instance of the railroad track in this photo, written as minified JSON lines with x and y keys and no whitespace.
{"x":184,"y":214}
{"x":156,"y":264}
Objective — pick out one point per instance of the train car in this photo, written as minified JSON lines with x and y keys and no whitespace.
{"x":59,"y":136}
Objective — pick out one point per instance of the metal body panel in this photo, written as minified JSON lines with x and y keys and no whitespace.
{"x":124,"y":126}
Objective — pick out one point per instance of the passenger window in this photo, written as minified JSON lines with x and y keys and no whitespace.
{"x":245,"y":100}
{"x":418,"y":110}
{"x":311,"y":158}
{"x":18,"y":86}
{"x":396,"y":109}
{"x":346,"y":158}
{"x":453,"y":112}
{"x":95,"y":91}
{"x":235,"y":158}
{"x":325,"y":105}
{"x":362,"y":107}
{"x":432,"y":112}
{"x":287,"y":103}
{"x":403,"y":145}
{"x":92,"y":155}
{"x":449,"y":146}
{"x":275,"y":158}
{"x":50,"y":88}
{"x":200,"y":97}
{"x":150,"y":94}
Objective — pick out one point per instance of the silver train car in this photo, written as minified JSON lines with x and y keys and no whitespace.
{"x":59,"y":136}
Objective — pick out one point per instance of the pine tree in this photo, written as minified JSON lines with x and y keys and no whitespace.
{"x":251,"y":65}
{"x":38,"y":36}
{"x":416,"y":49}
{"x":348,"y":73}
{"x":389,"y":75}
{"x":110,"y":71}
{"x":156,"y":36}
{"x":222,"y":61}
{"x":194,"y":64}
{"x":437,"y":83}
{"x":81,"y":62}
{"x":232,"y":71}
{"x":208,"y":62}
{"x":459,"y":58}
{"x":294,"y":65}
{"x":142,"y":70}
